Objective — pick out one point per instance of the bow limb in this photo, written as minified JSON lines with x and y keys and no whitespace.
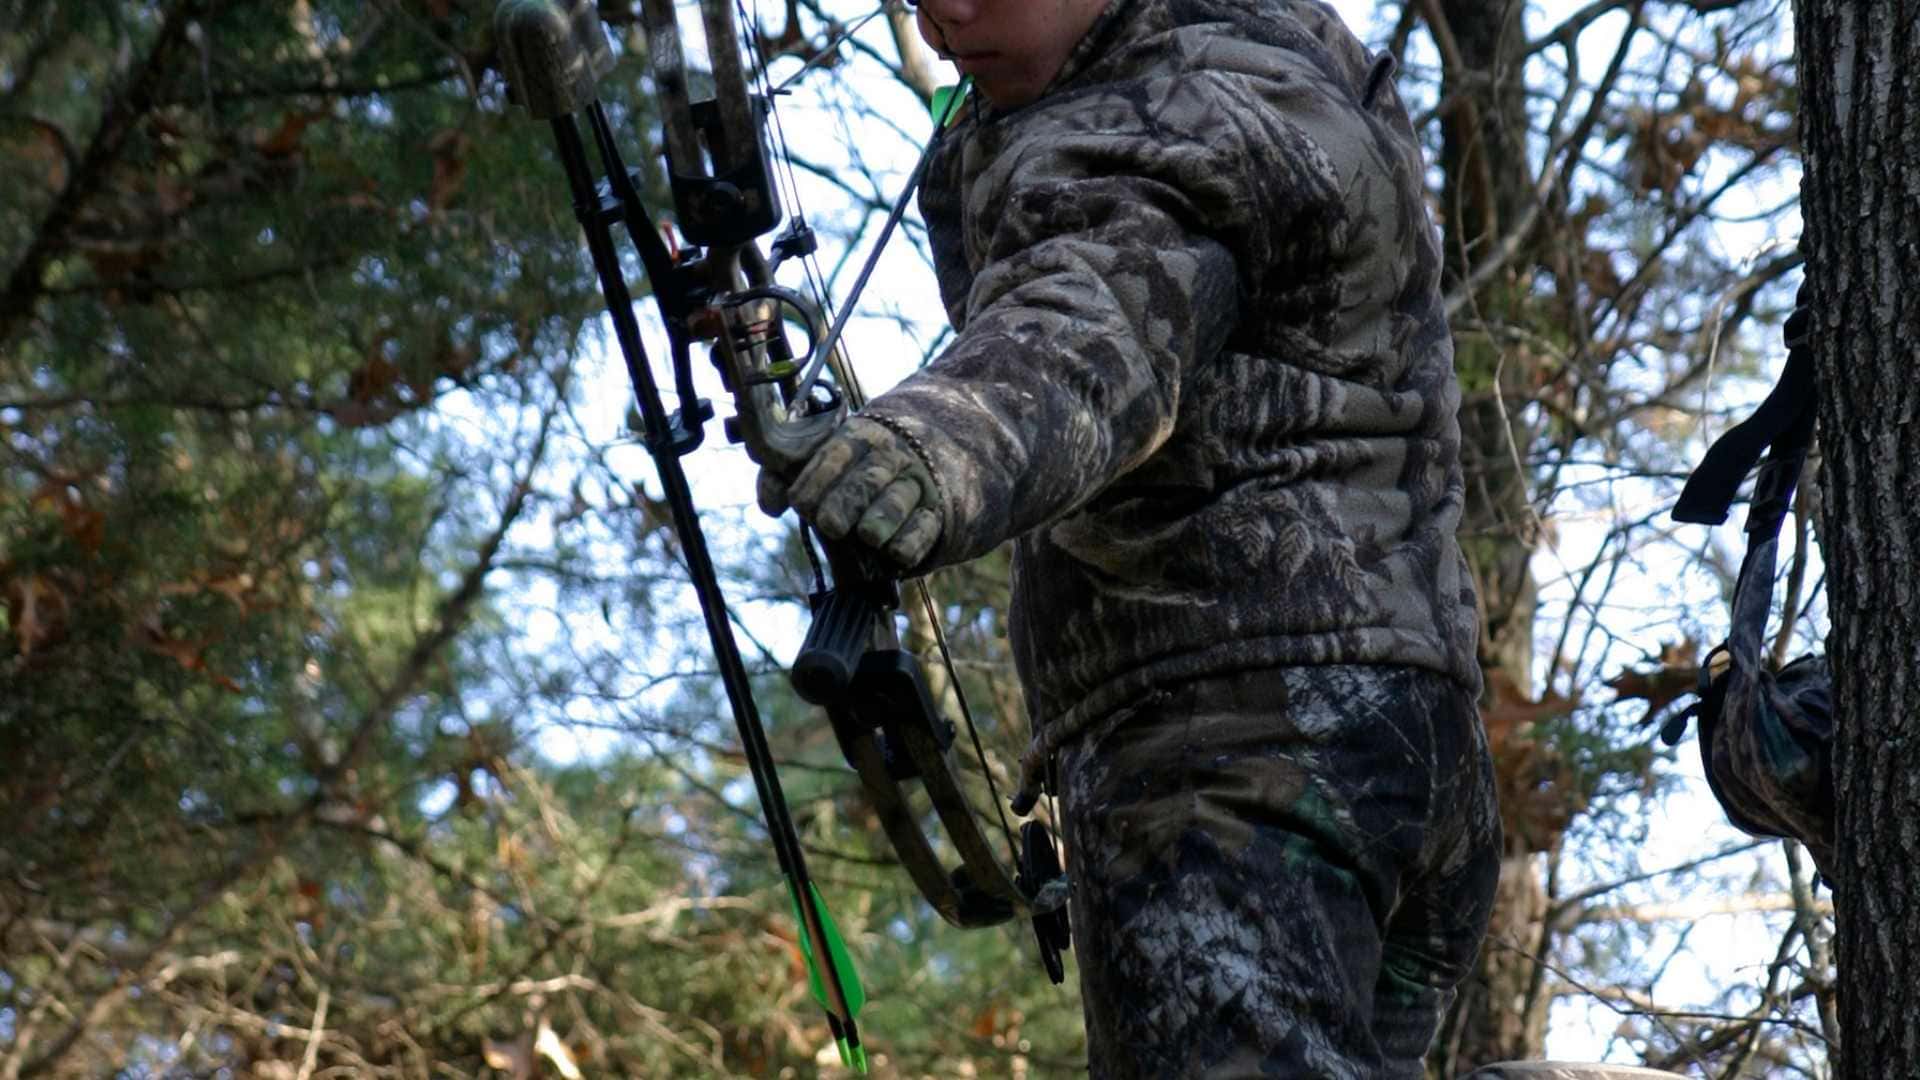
{"x":553,"y":58}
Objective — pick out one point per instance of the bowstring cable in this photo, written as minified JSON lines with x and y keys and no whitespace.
{"x":839,"y":39}
{"x":842,"y":367}
{"x":789,"y":182}
{"x":828,"y":350}
{"x":789,"y":193}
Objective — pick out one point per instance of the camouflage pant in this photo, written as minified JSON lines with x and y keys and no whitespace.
{"x":1280,"y":873}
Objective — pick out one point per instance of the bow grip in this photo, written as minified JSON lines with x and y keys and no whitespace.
{"x":552,"y":58}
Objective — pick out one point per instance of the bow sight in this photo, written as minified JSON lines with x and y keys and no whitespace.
{"x":723,"y":293}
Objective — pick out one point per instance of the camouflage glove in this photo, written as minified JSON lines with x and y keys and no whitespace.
{"x":866,"y":481}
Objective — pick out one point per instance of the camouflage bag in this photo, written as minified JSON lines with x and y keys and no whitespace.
{"x":1766,"y":736}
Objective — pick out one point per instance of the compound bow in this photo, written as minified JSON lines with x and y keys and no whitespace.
{"x":722,"y":291}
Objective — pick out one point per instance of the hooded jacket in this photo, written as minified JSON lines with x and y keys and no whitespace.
{"x":1202,"y":377}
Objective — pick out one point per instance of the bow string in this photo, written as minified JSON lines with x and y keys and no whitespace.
{"x":720,"y":291}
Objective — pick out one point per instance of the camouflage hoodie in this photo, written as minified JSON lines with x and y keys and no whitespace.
{"x":1203,"y":377}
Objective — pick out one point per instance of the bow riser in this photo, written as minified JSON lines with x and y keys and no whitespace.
{"x":851,"y":664}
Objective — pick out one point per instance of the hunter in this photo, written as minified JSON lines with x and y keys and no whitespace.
{"x":1203,"y":381}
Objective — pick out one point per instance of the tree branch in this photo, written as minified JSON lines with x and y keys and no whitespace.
{"x":133,"y":101}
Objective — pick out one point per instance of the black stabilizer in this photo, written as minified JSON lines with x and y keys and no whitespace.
{"x":842,"y":632}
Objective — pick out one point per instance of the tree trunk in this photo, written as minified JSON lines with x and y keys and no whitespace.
{"x":1860,"y":81}
{"x":1487,"y":190}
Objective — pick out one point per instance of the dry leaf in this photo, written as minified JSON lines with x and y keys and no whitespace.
{"x":285,"y":139}
{"x":37,"y":610}
{"x":1676,"y":674}
{"x":1539,"y":792}
{"x":987,"y":1022}
{"x":45,"y":147}
{"x":513,"y":1058}
{"x":449,"y":148}
{"x":372,"y":379}
{"x":548,"y":1044}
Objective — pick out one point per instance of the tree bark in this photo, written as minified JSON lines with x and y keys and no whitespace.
{"x":1487,"y":191}
{"x":1860,"y":120}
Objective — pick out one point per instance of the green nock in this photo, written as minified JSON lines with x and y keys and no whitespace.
{"x":847,"y":1038}
{"x":855,"y":1059}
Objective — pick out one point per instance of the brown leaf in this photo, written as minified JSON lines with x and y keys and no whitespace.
{"x":113,"y":264}
{"x":515,"y":1058}
{"x":309,"y":903}
{"x":372,"y":379}
{"x":449,"y":148}
{"x":37,"y":611}
{"x":1676,"y":674}
{"x":235,"y":588}
{"x":1511,"y":712}
{"x":1601,"y":278}
{"x":1539,"y":792}
{"x":987,"y":1022}
{"x":1661,"y":150}
{"x":358,"y":200}
{"x":190,"y":655}
{"x":45,"y":147}
{"x":796,"y":959}
{"x":285,"y":139}
{"x":87,"y":527}
{"x":185,"y":653}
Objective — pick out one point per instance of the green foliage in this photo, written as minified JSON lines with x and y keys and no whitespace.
{"x":307,"y":558}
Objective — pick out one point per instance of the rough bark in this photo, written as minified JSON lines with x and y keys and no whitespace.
{"x":1487,"y":192}
{"x":1860,"y":75}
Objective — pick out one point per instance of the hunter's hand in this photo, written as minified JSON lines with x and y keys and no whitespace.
{"x":868,"y":483}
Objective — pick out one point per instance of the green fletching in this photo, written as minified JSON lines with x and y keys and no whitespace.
{"x":941,"y":96}
{"x":852,"y":1054}
{"x":945,"y":104}
{"x":837,"y":953}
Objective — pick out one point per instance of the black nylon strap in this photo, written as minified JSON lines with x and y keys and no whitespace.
{"x":1783,"y":422}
